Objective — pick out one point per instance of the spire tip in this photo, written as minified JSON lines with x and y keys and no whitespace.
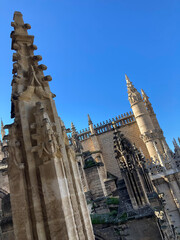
{"x":126,"y":77}
{"x":89,"y":120}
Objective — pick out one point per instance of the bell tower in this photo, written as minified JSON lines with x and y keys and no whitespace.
{"x":150,"y":135}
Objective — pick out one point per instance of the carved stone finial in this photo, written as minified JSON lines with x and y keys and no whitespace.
{"x":175,"y":144}
{"x":127,"y":79}
{"x":19,"y":26}
{"x":114,"y":126}
{"x":144,"y":95}
{"x":73,"y":129}
{"x":176,"y":148}
{"x":89,"y":120}
{"x":147,"y":102}
{"x":75,"y":140}
{"x":90,"y":123}
{"x":18,"y":19}
{"x":130,"y":86}
{"x":133,"y":94}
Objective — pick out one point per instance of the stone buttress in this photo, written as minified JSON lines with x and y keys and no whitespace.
{"x":46,"y":193}
{"x":134,"y":173}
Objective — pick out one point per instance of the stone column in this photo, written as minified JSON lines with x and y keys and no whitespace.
{"x":44,"y":182}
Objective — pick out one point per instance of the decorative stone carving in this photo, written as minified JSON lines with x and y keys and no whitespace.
{"x":48,"y":190}
{"x":75,"y":140}
{"x":47,"y":143}
{"x":35,"y":86}
{"x":14,"y":146}
{"x":134,"y":173}
{"x":133,"y":95}
{"x":152,"y":135}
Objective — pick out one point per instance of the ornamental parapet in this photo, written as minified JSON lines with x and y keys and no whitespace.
{"x":106,"y":126}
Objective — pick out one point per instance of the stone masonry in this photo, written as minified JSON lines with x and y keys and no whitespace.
{"x":46,"y":192}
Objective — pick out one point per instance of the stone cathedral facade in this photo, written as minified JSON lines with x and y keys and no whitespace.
{"x":113,"y":180}
{"x":131,"y":157}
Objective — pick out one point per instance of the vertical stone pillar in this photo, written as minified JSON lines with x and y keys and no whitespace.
{"x":46,"y":194}
{"x":77,"y":146}
{"x":97,"y":148}
{"x":95,"y":182}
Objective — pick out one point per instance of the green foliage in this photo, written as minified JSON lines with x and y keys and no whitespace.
{"x":112,"y":200}
{"x":106,"y":218}
{"x":123,"y":217}
{"x":89,"y":163}
{"x":112,"y":217}
{"x":103,"y":218}
{"x":98,"y":218}
{"x":113,"y":213}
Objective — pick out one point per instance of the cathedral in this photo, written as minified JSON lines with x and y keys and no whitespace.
{"x":114,"y":180}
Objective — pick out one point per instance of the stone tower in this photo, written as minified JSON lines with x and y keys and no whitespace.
{"x":163,"y":167}
{"x":46,"y":193}
{"x":150,"y":134}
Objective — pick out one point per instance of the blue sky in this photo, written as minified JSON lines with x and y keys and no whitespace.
{"x":88,"y":46}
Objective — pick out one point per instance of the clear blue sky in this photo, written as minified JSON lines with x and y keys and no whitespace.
{"x":88,"y":46}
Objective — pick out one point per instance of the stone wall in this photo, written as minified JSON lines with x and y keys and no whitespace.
{"x":143,"y":229}
{"x":131,"y":132}
{"x":95,"y":183}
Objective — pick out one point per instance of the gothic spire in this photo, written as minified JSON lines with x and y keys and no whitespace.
{"x":145,"y":97}
{"x":147,"y":102}
{"x":28,"y":76}
{"x":90,"y":123}
{"x":39,"y":147}
{"x":130,"y":86}
{"x":176,"y":146}
{"x":89,"y":120}
{"x":133,"y":94}
{"x":73,"y":128}
{"x":129,"y":83}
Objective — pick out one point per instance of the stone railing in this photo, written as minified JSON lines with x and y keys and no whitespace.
{"x":107,"y":126}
